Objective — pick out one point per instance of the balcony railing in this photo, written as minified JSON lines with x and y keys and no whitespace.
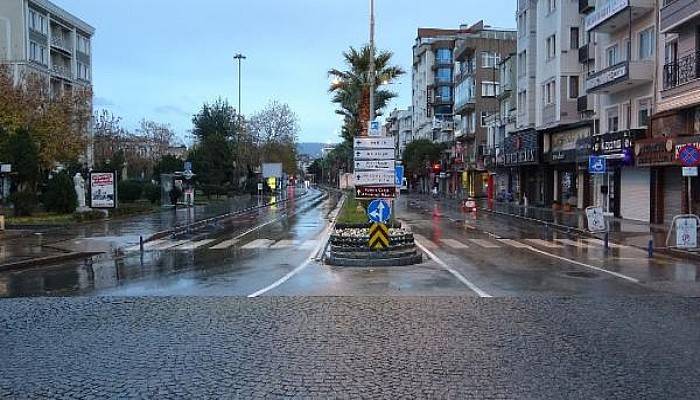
{"x":585,"y":53}
{"x":584,"y":104}
{"x":682,"y":71}
{"x":61,"y":43}
{"x":61,"y":71}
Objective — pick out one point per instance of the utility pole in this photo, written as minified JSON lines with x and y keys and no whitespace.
{"x":372,"y":77}
{"x":239,"y":57}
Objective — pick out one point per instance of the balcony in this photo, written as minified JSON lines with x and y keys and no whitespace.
{"x":586,"y":53}
{"x":441,"y":100}
{"x":621,"y":76}
{"x":464,"y":103}
{"x":584,"y":104}
{"x":60,"y":43}
{"x":610,"y":16}
{"x":676,"y":13}
{"x":61,"y":71}
{"x":585,"y":6}
{"x":685,"y":70}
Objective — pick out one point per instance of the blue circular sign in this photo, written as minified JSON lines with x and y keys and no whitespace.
{"x":689,"y":156}
{"x":379,"y":211}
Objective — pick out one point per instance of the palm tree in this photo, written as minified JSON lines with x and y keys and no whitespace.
{"x":351,"y":87}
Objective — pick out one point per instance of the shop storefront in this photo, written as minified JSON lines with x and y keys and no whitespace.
{"x":666,"y":187}
{"x":567,"y":178}
{"x":521,"y":159}
{"x":624,"y":190}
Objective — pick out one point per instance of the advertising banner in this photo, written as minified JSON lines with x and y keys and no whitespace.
{"x":103,"y":190}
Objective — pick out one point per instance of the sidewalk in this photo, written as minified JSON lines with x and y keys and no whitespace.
{"x":622,"y":231}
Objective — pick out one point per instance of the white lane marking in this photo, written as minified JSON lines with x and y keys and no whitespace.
{"x":600,"y":243}
{"x":309,"y":244}
{"x":449,"y":269}
{"x":454,"y":244}
{"x":257,"y":244}
{"x":427,"y":242}
{"x":283,"y":244}
{"x":225,"y":244}
{"x":194,"y":245}
{"x":593,"y":267}
{"x":485,"y":243}
{"x":545,"y":243}
{"x":513,"y":243}
{"x":255,"y":228}
{"x":575,"y":243}
{"x":168,"y":244}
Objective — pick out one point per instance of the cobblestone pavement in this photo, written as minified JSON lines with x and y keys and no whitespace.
{"x":434,"y":347}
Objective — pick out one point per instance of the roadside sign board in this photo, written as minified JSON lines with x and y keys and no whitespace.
{"x":376,"y":177}
{"x":375,"y":192}
{"x":378,"y":236}
{"x":374,"y":129}
{"x":103,"y":190}
{"x":687,"y":233}
{"x":689,"y":156}
{"x":188,"y":166}
{"x":690,"y":171}
{"x":379,"y":154}
{"x":374,"y":164}
{"x":5,"y":168}
{"x":374,"y":143}
{"x":597,"y":165}
{"x":272,"y":170}
{"x":378,"y":211}
{"x":399,"y":175}
{"x":596,"y":219}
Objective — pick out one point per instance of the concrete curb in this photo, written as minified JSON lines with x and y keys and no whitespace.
{"x":41,"y":261}
{"x":376,"y":262}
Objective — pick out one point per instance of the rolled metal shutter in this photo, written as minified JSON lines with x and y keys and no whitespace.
{"x":635,"y":191}
{"x":673,"y":193}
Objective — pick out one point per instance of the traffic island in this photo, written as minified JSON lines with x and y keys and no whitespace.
{"x":350,"y":247}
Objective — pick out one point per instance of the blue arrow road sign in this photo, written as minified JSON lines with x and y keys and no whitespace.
{"x":597,"y":165}
{"x":399,"y":175}
{"x":379,"y":211}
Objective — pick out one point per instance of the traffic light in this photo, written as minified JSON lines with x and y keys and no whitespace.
{"x":437,"y":167}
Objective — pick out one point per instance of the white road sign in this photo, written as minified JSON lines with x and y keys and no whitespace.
{"x":687,"y":233}
{"x":596,"y":219}
{"x":374,"y":143}
{"x":379,"y":154}
{"x":377,"y":177}
{"x":374,"y":164}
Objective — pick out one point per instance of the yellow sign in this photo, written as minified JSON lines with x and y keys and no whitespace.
{"x":378,"y":237}
{"x":272,"y":182}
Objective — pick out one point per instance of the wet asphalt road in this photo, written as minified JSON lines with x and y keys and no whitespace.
{"x":274,"y":251}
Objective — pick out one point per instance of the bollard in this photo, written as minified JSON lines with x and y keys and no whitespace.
{"x":650,"y":249}
{"x":141,"y":243}
{"x":607,"y":241}
{"x":546,"y":232}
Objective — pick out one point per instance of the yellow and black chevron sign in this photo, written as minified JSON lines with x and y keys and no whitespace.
{"x":378,"y":237}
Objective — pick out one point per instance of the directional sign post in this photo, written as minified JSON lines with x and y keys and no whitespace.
{"x":372,"y":155}
{"x":378,"y":237}
{"x":374,"y":164}
{"x":373,"y":143}
{"x":376,"y":177}
{"x":379,"y":211}
{"x":399,"y":175}
{"x":373,"y":192}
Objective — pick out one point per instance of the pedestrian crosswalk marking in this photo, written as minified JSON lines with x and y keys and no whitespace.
{"x":575,"y":243}
{"x":485,"y":243}
{"x":258,"y":244}
{"x":454,"y":244}
{"x":282,"y":244}
{"x":225,"y":244}
{"x":425,"y":241}
{"x":600,"y":243}
{"x":545,"y":243}
{"x":513,"y":243}
{"x":167,"y":244}
{"x":194,"y":245}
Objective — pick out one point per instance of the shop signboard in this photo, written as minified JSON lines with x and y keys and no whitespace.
{"x":521,"y":149}
{"x":654,"y":152}
{"x":103,"y":190}
{"x":564,"y":144}
{"x":687,"y":233}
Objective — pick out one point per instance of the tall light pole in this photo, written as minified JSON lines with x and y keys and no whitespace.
{"x":372,"y":78}
{"x":239,"y":57}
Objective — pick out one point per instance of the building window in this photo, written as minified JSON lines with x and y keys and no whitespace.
{"x":444,"y":75}
{"x":613,"y":117}
{"x":522,"y":63}
{"x":444,"y":93}
{"x":551,"y":6}
{"x":611,"y":55}
{"x":489,"y":89}
{"x":551,"y":47}
{"x":484,"y":116}
{"x":646,"y":44}
{"x":522,"y":101}
{"x":83,"y":44}
{"x":38,"y":53}
{"x":522,"y":23}
{"x":626,"y":116}
{"x":444,"y":56}
{"x":548,"y":92}
{"x":38,"y":22}
{"x":573,"y":87}
{"x":643,"y":111}
{"x":83,"y":71}
{"x":489,"y":59}
{"x":573,"y":38}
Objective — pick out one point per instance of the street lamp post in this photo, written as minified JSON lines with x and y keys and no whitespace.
{"x":372,"y":78}
{"x":239,"y":57}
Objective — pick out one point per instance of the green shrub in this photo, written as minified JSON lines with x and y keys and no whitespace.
{"x":152,"y":193}
{"x":129,"y":191}
{"x":60,"y":196}
{"x":24,"y":203}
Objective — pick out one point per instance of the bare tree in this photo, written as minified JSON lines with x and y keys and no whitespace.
{"x":276,"y":129}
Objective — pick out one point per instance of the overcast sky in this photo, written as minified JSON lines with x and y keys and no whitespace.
{"x":161,"y":59}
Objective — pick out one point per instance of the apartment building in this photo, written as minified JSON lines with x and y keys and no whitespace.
{"x":625,"y":36}
{"x":676,"y":121}
{"x":501,"y":125}
{"x":36,"y":36}
{"x":478,"y":54}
